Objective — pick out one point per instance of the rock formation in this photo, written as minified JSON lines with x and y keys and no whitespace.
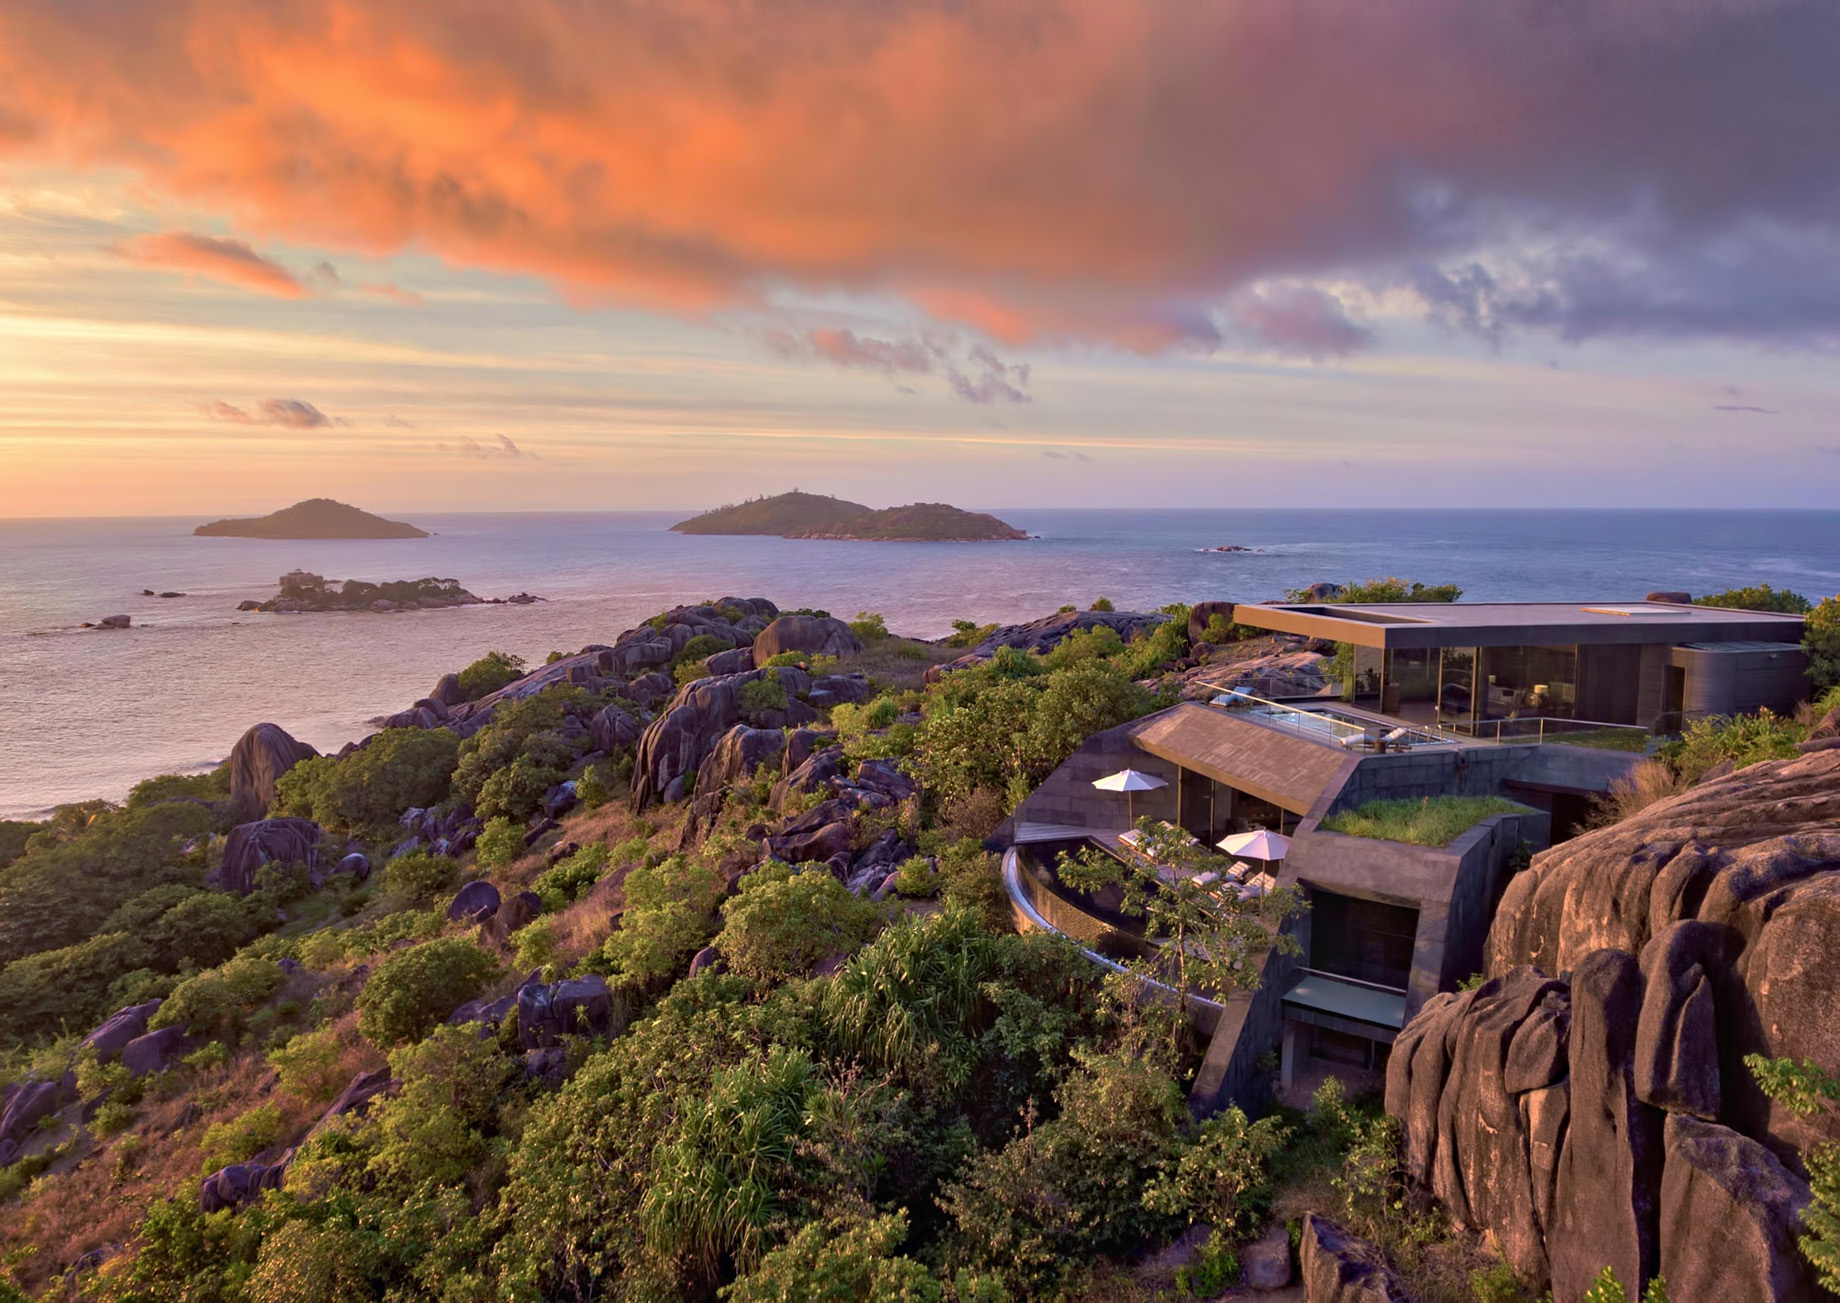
{"x":1340,"y":1269}
{"x":257,"y":762}
{"x":1588,"y":1105}
{"x":314,"y":518}
{"x":812,"y":635}
{"x":680,"y":740}
{"x":1049,"y":632}
{"x":267,"y":841}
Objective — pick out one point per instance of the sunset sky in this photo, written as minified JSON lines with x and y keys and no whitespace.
{"x":525,"y":254}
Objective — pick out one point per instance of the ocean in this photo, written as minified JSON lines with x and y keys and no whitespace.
{"x":87,"y":713}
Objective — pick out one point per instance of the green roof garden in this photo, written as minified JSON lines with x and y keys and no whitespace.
{"x":1432,"y":821}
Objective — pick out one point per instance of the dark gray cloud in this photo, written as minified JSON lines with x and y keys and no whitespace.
{"x":1300,"y":319}
{"x":1744,"y":407}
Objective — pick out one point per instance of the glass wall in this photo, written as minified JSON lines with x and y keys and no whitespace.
{"x":1524,"y":682}
{"x":1456,"y":684}
{"x":1411,"y":683}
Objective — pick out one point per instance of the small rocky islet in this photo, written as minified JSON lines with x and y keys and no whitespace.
{"x":813,"y":515}
{"x":302,"y":592}
{"x":315,"y":518}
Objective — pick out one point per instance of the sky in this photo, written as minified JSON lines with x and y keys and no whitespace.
{"x":612,"y":254}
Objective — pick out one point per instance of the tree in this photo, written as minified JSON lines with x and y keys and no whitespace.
{"x":1758,"y":597}
{"x":1806,"y":1089}
{"x":1181,"y":890}
{"x":414,"y":989}
{"x":364,"y":793}
{"x":1821,"y":640}
{"x":784,"y":921}
{"x":1387,"y":589}
{"x":494,"y":670}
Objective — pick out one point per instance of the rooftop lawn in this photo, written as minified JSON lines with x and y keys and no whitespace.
{"x":1433,"y":821}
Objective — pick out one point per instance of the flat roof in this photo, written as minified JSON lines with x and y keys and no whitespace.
{"x":1355,"y":1001}
{"x":1404,"y":625}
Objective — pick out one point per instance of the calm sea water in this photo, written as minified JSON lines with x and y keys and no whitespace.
{"x":87,"y":713}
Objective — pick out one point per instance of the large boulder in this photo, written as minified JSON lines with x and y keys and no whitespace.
{"x":741,"y":751}
{"x":257,"y":762}
{"x":121,"y":1027}
{"x":821,"y":832}
{"x":582,"y":1006}
{"x":679,"y":741}
{"x":613,"y":729}
{"x":32,"y":1103}
{"x":153,"y":1052}
{"x":1337,"y":1268}
{"x":476,"y":902}
{"x":1201,"y":613}
{"x":267,"y":841}
{"x":1730,"y":1212}
{"x":229,"y":1188}
{"x":810,"y":635}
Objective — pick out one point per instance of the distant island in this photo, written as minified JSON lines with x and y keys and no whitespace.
{"x":302,"y":591}
{"x":314,"y":518}
{"x":814,"y":515}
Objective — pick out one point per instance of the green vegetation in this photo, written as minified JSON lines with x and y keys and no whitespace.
{"x":1390,"y":588}
{"x":417,"y":876}
{"x":1102,"y":604}
{"x":494,"y":670}
{"x":783,"y":921}
{"x":313,"y":518}
{"x":810,"y":515}
{"x":572,"y":877}
{"x":1821,"y":640}
{"x":1758,"y":597}
{"x":1740,"y":739}
{"x":415,"y":988}
{"x":1432,"y":821}
{"x":364,"y":793}
{"x":870,"y":627}
{"x":500,"y":842}
{"x":1807,"y":1089}
{"x":969,"y":633}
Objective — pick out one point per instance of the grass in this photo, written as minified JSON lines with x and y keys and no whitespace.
{"x":1433,"y":821}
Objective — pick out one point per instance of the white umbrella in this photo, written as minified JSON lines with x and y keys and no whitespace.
{"x":1129,"y":781}
{"x":1263,"y":844}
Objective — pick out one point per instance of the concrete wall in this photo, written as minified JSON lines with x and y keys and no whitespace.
{"x":1741,"y":682}
{"x":1454,"y":888}
{"x":1251,"y":1024}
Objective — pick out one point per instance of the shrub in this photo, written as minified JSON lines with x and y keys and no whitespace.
{"x":917,"y":877}
{"x":1224,"y":1177}
{"x":840,"y":1260}
{"x":415,"y":876}
{"x":517,"y":790}
{"x":312,"y":1066}
{"x":500,"y":842}
{"x":969,"y":633}
{"x":413,"y":989}
{"x":689,"y":672}
{"x":594,"y":788}
{"x":571,"y":877}
{"x":670,"y":915}
{"x":761,"y":696}
{"x":494,"y":670}
{"x":1758,"y":597}
{"x":241,"y":1138}
{"x":68,"y":987}
{"x":212,"y":786}
{"x":1741,"y":739}
{"x":434,"y":1129}
{"x":1388,"y":589}
{"x":784,"y":921}
{"x":535,"y":945}
{"x":869,"y":627}
{"x":1821,"y":640}
{"x":701,"y":648}
{"x":185,"y":925}
{"x":217,"y":1002}
{"x":1102,"y":604}
{"x":365,"y":792}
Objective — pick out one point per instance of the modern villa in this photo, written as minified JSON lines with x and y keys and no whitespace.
{"x":1543,"y":704}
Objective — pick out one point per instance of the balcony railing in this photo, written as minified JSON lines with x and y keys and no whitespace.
{"x":1359,"y":730}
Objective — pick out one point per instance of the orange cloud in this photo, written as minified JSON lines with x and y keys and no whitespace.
{"x":1110,"y":168}
{"x":230,"y":262}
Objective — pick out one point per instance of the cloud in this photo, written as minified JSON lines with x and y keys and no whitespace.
{"x":1298,"y":319}
{"x":1071,"y":454}
{"x":1124,"y":170}
{"x":1744,"y":407}
{"x":229,"y":262}
{"x":978,"y":376}
{"x":290,"y":413}
{"x":988,"y":379}
{"x":500,"y":447}
{"x":408,"y":298}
